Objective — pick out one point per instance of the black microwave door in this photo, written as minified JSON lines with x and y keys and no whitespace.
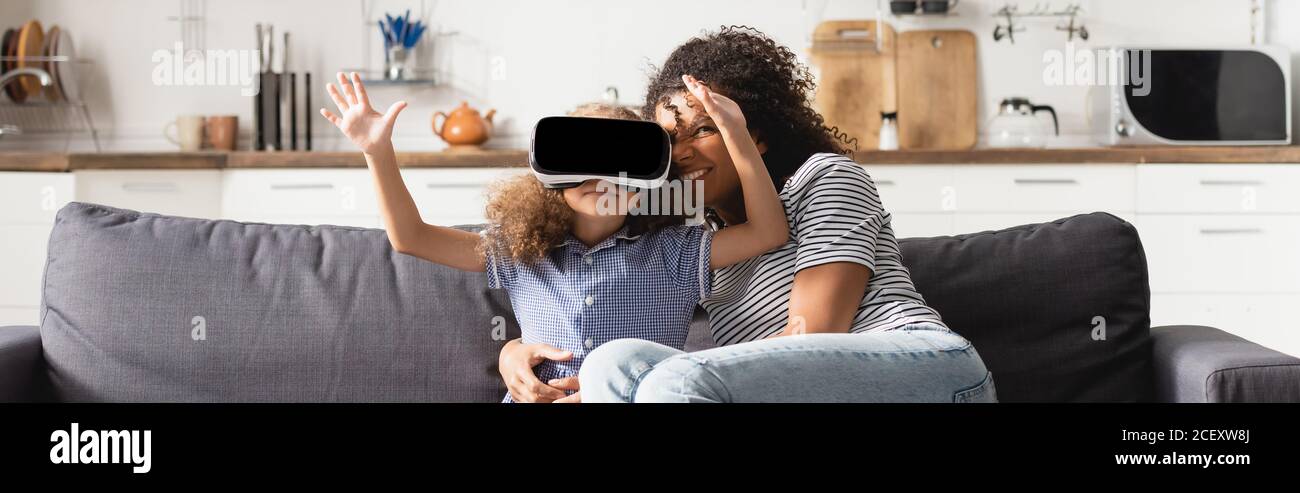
{"x":1207,"y":95}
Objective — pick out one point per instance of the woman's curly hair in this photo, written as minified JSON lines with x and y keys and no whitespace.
{"x":526,"y":220}
{"x":769,"y":84}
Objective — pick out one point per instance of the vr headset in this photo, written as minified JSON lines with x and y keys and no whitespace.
{"x":568,"y":150}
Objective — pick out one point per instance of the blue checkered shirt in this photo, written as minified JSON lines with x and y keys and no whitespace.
{"x":627,"y":286}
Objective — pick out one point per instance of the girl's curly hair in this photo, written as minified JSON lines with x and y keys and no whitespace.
{"x":769,"y":84}
{"x":526,"y":220}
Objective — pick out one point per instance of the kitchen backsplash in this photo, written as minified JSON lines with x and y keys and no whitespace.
{"x":528,"y":59}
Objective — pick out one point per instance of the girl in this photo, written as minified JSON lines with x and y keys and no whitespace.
{"x":577,"y":275}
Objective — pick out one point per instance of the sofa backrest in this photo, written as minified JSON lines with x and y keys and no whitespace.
{"x":1059,"y":311}
{"x":288,"y":314}
{"x":145,"y":307}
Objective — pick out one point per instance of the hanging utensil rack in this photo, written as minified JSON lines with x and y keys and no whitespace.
{"x":1009,"y":13}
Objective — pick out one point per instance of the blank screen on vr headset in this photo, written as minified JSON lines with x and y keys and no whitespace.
{"x":599,"y":146}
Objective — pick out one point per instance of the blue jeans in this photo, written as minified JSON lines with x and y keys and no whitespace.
{"x":916,"y":363}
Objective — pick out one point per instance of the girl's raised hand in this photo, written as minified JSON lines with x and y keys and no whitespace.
{"x":723,"y":110}
{"x":371,"y":131}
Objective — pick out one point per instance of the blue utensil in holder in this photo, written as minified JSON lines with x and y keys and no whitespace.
{"x":400,"y":38}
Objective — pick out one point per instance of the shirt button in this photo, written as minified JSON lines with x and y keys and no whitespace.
{"x":590,"y":300}
{"x":589,"y":343}
{"x":587,"y":259}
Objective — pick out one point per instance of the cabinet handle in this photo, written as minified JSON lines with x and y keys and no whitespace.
{"x":1231,"y":231}
{"x":1046,"y":181}
{"x":453,"y":185}
{"x":302,"y":186}
{"x":887,"y":183}
{"x":1237,"y":183}
{"x":149,"y":187}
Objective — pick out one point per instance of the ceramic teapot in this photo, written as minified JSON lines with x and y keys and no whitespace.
{"x":464,"y":127}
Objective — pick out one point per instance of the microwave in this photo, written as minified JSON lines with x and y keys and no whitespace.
{"x":1194,"y":97}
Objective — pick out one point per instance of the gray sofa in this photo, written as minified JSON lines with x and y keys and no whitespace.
{"x":145,"y":307}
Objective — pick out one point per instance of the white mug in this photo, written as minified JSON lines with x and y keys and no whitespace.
{"x":189,"y":132}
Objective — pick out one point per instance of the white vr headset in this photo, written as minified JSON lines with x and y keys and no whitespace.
{"x":568,"y":150}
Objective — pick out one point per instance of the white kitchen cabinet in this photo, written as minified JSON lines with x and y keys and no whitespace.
{"x":28,"y":203}
{"x":1222,"y":253}
{"x":453,"y":196}
{"x":33,"y":198}
{"x":1219,"y":189}
{"x":27,"y":315}
{"x":347,"y":197}
{"x":187,"y":193}
{"x":1033,"y":188}
{"x":1266,"y":319}
{"x":914,"y":189}
{"x":23,"y":249}
{"x":921,"y":225}
{"x":299,"y":196}
{"x":1222,"y":244}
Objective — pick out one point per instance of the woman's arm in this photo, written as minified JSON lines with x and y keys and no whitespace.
{"x":765,"y":225}
{"x":825,"y":298}
{"x":372,"y":132}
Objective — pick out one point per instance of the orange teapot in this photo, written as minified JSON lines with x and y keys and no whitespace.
{"x":464,"y":127}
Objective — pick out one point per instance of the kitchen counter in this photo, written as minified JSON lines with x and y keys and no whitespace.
{"x":38,"y":161}
{"x":489,"y":158}
{"x":1090,"y":155}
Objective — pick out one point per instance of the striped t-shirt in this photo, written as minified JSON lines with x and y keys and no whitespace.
{"x":835,"y":215}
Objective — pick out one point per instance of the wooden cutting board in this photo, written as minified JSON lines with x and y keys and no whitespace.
{"x":937,"y":101}
{"x":31,"y":40}
{"x":855,"y":81}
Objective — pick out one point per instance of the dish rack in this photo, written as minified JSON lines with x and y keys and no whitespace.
{"x":38,"y":120}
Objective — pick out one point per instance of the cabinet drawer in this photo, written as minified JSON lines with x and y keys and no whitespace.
{"x":1045,"y":188}
{"x":190,"y":193}
{"x":23,"y":315}
{"x":322,"y":192}
{"x":974,"y":223}
{"x":1262,"y":319}
{"x":1222,"y":253}
{"x":22,"y":262}
{"x":33,"y":198}
{"x":449,"y":197}
{"x":917,"y":225}
{"x":310,"y":220}
{"x":914,"y":188}
{"x":1236,"y":188}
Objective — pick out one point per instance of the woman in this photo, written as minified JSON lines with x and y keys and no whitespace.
{"x":830,"y":316}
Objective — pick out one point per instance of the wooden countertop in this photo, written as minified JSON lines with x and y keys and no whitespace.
{"x":1090,"y":155}
{"x":36,"y":161}
{"x":488,"y":158}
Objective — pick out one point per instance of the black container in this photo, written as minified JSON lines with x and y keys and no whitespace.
{"x":902,"y":6}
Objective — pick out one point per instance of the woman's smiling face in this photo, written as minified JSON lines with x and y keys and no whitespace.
{"x":699,"y":152}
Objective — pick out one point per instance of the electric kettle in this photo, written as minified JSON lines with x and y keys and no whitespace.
{"x":1017,"y":125}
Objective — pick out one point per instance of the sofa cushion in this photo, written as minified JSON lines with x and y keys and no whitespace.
{"x":288,"y":314}
{"x":1035,"y":299}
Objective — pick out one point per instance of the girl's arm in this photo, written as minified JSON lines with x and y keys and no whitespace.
{"x":765,"y":226}
{"x":372,"y":132}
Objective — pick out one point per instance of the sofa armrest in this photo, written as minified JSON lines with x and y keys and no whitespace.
{"x":1204,"y":364}
{"x":21,"y":360}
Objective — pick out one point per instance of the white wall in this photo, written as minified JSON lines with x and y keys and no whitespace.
{"x":558,"y":53}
